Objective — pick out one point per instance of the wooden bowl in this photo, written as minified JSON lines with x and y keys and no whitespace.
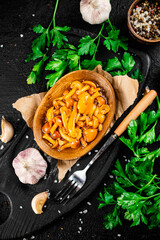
{"x":131,"y":30}
{"x":57,"y":91}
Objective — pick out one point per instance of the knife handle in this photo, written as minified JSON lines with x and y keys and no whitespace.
{"x":136,"y":111}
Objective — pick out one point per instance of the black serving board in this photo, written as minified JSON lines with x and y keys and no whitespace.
{"x":22,"y":220}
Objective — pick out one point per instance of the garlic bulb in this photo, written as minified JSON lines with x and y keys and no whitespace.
{"x":7,"y":131}
{"x":29,"y":166}
{"x":38,"y":202}
{"x":95,"y":11}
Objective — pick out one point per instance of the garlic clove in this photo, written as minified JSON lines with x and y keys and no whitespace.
{"x":38,"y":202}
{"x":95,"y":11}
{"x":7,"y":131}
{"x":29,"y":166}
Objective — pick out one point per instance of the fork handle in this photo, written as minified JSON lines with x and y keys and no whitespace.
{"x":135,"y":112}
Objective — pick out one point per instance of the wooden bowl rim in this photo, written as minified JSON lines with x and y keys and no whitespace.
{"x":58,"y":155}
{"x":133,"y":33}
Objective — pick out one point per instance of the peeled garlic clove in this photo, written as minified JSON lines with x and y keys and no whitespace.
{"x":7,"y":131}
{"x":95,"y":11}
{"x":38,"y":202}
{"x":29,"y":166}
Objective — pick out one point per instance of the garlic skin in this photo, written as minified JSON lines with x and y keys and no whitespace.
{"x":95,"y":11}
{"x":29,"y":166}
{"x":38,"y":202}
{"x":7,"y":131}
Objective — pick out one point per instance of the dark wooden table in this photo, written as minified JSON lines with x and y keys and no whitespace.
{"x":16,"y":22}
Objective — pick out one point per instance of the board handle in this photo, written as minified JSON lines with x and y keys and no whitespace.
{"x":136,"y":111}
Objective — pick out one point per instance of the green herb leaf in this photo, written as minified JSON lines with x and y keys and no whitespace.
{"x":53,"y":77}
{"x":86,"y":46}
{"x":90,"y":64}
{"x":31,"y":78}
{"x":58,"y":38}
{"x":114,"y":41}
{"x":112,"y":219}
{"x":113,"y":64}
{"x":128,"y":62}
{"x":137,"y":75}
{"x":38,"y":29}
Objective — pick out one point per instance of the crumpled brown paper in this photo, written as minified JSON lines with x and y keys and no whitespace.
{"x":126,"y":90}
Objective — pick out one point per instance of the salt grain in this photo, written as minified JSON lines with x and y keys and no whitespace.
{"x":89,"y":153}
{"x":33,"y":15}
{"x":2,"y":147}
{"x":96,"y":150}
{"x":20,"y":207}
{"x":55,"y":181}
{"x":1,"y":45}
{"x":59,"y":211}
{"x":85,"y":211}
{"x":77,"y":164}
{"x":80,"y":228}
{"x":33,"y":237}
{"x":111,"y":176}
{"x":21,"y":35}
{"x":89,"y":203}
{"x":118,"y":235}
{"x":27,"y":136}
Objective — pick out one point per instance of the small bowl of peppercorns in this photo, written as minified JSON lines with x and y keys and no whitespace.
{"x":144,"y":21}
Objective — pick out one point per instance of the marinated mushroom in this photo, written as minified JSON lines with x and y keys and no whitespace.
{"x":76,"y":117}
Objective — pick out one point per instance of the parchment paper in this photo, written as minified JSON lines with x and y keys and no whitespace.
{"x":126,"y":90}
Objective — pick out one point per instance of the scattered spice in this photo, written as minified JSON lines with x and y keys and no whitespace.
{"x":145,"y":19}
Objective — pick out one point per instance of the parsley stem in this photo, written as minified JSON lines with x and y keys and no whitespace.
{"x":158,"y":102}
{"x":99,"y":38}
{"x":110,"y":24}
{"x":157,"y":194}
{"x":140,"y":190}
{"x":54,"y":14}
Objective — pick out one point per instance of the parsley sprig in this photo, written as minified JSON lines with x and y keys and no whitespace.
{"x":68,"y":58}
{"x":89,"y":46}
{"x":135,"y":194}
{"x":50,"y":36}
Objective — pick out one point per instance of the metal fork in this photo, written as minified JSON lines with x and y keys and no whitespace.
{"x":77,"y":180}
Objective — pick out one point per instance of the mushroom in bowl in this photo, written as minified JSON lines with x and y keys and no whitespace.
{"x":74,"y":115}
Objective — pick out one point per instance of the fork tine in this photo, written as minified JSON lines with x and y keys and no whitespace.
{"x":65,"y":186}
{"x":66,"y":190}
{"x":72,"y":194}
{"x":66,"y":195}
